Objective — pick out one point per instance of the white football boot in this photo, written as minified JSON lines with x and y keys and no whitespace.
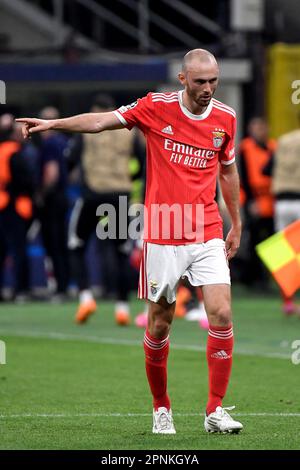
{"x":221,"y":421}
{"x":163,"y":421}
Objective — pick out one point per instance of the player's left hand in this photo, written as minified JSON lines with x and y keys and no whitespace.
{"x":232,"y":242}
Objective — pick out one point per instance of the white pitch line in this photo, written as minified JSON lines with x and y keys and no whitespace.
{"x":136,"y":415}
{"x":129,"y":342}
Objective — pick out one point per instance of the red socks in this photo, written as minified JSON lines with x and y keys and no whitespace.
{"x":219,"y":359}
{"x":156,"y":356}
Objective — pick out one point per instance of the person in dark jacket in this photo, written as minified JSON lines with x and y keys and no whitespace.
{"x":16,"y":191}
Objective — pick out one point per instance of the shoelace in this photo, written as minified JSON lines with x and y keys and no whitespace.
{"x":224,"y":412}
{"x":164,"y":420}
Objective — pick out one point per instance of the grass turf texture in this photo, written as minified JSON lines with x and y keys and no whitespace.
{"x":83,"y":387}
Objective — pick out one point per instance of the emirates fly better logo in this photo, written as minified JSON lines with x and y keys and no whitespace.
{"x":2,"y":92}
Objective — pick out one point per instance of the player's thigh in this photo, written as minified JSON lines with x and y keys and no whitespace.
{"x":210,"y":264}
{"x":161,"y":269}
{"x":217,"y":301}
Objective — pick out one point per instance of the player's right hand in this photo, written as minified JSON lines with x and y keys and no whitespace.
{"x":32,"y":125}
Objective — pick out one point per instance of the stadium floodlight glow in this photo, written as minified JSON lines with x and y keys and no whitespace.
{"x":2,"y":92}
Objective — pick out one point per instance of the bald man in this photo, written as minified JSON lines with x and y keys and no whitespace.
{"x":190,"y":138}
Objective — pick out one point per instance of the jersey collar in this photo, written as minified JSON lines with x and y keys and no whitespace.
{"x":196,"y":117}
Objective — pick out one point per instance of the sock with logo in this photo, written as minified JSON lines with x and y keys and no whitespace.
{"x":156,"y":357}
{"x":219,"y":360}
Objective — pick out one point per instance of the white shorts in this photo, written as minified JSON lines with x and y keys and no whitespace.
{"x":162,"y":266}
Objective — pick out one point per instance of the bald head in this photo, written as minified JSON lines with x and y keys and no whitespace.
{"x":6,"y":121}
{"x":198,"y":57}
{"x":49,"y":112}
{"x":199,"y":76}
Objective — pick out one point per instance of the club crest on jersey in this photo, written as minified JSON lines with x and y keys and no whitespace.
{"x":218,"y":137}
{"x":153,"y":287}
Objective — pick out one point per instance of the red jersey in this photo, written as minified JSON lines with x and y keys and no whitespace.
{"x":183,"y":153}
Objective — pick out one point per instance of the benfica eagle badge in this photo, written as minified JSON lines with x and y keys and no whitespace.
{"x":218,"y":137}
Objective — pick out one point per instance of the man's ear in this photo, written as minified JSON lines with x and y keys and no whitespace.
{"x":181,"y":78}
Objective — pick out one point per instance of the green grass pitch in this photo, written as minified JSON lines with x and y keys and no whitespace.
{"x":83,"y":387}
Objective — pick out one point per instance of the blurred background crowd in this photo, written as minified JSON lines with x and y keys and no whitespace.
{"x":61,"y":57}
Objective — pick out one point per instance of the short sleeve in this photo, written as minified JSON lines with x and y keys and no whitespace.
{"x":139,"y":113}
{"x":227,"y":154}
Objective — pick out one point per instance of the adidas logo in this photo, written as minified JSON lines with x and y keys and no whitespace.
{"x":220,"y":355}
{"x":168,"y":130}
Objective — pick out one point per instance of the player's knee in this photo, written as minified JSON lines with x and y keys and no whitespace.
{"x":161,"y":327}
{"x":160,"y":318}
{"x":222,"y":315}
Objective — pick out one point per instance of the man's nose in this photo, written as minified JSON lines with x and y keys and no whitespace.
{"x":207,"y":87}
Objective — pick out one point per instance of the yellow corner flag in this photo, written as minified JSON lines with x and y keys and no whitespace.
{"x":281,"y":255}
